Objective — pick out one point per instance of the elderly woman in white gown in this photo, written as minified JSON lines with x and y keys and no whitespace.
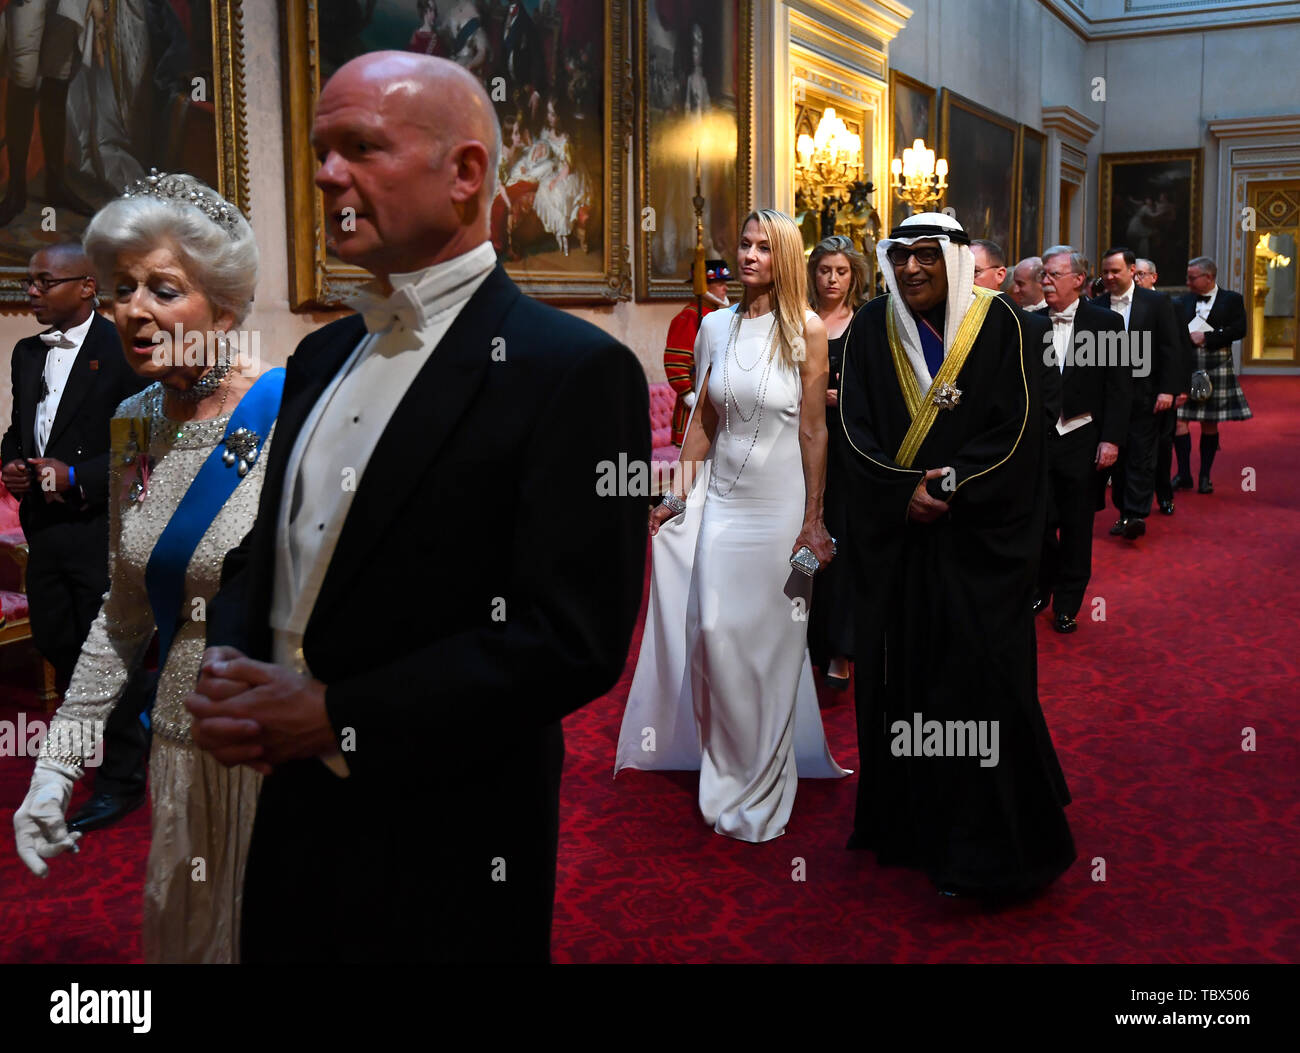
{"x":183,"y":490}
{"x":723,"y":683}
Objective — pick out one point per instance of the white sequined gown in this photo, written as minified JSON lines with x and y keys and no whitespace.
{"x":202,"y":811}
{"x":740,"y":652}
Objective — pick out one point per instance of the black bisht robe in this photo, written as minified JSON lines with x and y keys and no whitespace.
{"x":943,"y":619}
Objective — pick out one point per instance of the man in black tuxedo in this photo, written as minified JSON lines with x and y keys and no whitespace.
{"x":433,"y":580}
{"x":1146,"y":275}
{"x":1160,"y":371}
{"x":1086,"y":439}
{"x":67,"y":382}
{"x":1224,"y":311}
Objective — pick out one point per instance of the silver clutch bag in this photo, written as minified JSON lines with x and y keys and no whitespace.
{"x":805,"y":562}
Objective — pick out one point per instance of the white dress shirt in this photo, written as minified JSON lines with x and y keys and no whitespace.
{"x":1062,"y":327}
{"x":1036,"y":306}
{"x":63,"y":350}
{"x":1204,"y":307}
{"x":329,"y":458}
{"x":1123,"y":304}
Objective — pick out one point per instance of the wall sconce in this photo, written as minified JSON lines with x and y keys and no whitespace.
{"x":918,"y":179}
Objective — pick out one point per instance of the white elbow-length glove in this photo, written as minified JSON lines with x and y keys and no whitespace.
{"x":40,"y":825}
{"x":689,"y":399}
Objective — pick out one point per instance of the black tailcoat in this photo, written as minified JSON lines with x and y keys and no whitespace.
{"x":481,"y":589}
{"x":67,"y":574}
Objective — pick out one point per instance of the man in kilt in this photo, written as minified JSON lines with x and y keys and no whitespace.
{"x":1224,"y":312}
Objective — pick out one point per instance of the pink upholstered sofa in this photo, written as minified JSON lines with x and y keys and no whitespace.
{"x":662,"y":400}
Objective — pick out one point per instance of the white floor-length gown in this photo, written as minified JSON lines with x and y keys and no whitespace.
{"x":723,"y":682}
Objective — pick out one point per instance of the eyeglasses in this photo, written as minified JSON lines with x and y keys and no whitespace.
{"x":926,"y":255}
{"x":981,"y":270}
{"x":46,"y":284}
{"x":1057,"y":275}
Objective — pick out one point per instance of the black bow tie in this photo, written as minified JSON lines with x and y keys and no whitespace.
{"x":1203,"y":299}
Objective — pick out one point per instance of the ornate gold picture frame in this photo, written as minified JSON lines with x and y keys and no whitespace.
{"x":982,"y":148}
{"x":1151,"y":203}
{"x":559,"y":215}
{"x":913,"y":114}
{"x":137,"y":113}
{"x":694,"y":68}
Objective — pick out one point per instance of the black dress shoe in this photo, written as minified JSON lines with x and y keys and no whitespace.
{"x":1063,"y":623}
{"x":1117,"y":529}
{"x":1039,"y":605}
{"x":1134,"y":528}
{"x":1166,"y":508}
{"x":1205,"y":486}
{"x":103,"y":809}
{"x":1181,"y":482}
{"x":837,"y":683}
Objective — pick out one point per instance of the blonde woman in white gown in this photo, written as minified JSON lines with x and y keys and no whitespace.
{"x":723,"y":681}
{"x":166,"y":262}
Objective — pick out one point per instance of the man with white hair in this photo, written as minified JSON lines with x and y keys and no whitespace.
{"x":941,"y":400}
{"x":1086,"y":438}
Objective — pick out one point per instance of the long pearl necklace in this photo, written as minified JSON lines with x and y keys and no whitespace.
{"x":729,"y":394}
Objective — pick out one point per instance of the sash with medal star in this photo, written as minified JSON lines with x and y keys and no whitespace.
{"x":220,"y":473}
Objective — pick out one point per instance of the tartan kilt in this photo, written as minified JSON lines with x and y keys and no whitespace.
{"x":1227,"y":401}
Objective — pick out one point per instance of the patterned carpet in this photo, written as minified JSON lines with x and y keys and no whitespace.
{"x":1147,"y":708}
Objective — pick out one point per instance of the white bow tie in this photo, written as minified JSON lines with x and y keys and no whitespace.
{"x":1061,"y":318}
{"x":402,"y":308}
{"x":1126,"y":299}
{"x":57,"y":338}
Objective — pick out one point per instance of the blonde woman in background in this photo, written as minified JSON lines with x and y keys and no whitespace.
{"x":723,"y":680}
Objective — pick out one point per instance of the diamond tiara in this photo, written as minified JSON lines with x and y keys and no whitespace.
{"x":185,"y":190}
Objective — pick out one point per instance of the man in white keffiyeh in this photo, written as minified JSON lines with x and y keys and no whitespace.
{"x":923,"y":289}
{"x":941,"y":404}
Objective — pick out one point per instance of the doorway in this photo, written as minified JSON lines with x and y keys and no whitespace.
{"x":1274,"y":270}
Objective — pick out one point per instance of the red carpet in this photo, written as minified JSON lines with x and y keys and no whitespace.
{"x":1199,"y":838}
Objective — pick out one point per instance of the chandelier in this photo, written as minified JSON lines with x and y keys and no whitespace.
{"x":917,"y":178}
{"x":831,"y":157}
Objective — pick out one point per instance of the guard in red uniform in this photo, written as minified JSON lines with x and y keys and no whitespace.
{"x":679,"y":353}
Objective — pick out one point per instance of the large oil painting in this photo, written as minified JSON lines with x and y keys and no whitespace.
{"x":554,"y":71}
{"x":113,"y":89}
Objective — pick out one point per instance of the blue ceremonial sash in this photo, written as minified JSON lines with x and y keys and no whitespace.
{"x":931,"y":346}
{"x":164,"y":576}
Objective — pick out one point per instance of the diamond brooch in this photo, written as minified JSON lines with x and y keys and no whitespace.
{"x":241,"y":446}
{"x":946,"y":396}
